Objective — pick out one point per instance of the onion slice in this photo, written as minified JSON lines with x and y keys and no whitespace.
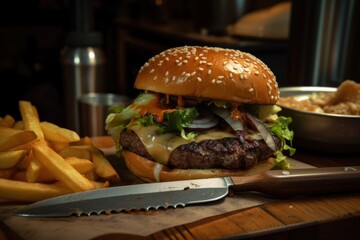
{"x":236,"y":125}
{"x":264,"y":132}
{"x":206,"y":120}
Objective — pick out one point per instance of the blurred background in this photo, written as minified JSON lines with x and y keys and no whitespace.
{"x":42,"y":43}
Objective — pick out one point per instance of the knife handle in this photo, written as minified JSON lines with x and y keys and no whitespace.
{"x":285,"y":183}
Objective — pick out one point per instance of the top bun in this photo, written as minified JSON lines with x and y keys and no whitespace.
{"x":209,"y":73}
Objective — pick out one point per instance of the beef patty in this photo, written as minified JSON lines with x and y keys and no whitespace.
{"x":227,"y":153}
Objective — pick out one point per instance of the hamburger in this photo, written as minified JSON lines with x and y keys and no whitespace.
{"x":202,"y":112}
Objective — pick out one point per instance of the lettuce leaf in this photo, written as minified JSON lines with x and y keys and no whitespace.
{"x":180,"y":119}
{"x":119,"y":116}
{"x":281,"y":129}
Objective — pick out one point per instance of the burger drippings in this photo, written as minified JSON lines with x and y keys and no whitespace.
{"x":154,"y":107}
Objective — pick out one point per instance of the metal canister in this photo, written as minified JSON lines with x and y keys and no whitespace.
{"x":83,"y":72}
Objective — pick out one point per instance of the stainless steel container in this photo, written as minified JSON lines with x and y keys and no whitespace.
{"x":324,"y":132}
{"x":83,"y":72}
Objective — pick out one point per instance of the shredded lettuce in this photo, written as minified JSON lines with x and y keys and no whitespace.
{"x":280,"y":128}
{"x":119,"y":116}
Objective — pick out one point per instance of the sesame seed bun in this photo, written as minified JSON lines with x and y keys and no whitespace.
{"x":209,"y":73}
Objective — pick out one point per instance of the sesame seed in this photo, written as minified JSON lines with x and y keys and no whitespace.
{"x":251,"y":90}
{"x":241,"y":76}
{"x":199,"y":79}
{"x":218,"y":81}
{"x":177,"y":61}
{"x":196,"y":58}
{"x":193,"y":73}
{"x":188,"y":74}
{"x":167,"y":73}
{"x":185,"y":61}
{"x":256,"y":73}
{"x":225,"y":62}
{"x":209,"y":71}
{"x":213,"y":81}
{"x":210,"y":64}
{"x":201,"y":69}
{"x":221,"y":77}
{"x":167,"y":59}
{"x":203,"y":58}
{"x":180,"y":63}
{"x":264,"y":75}
{"x":152,"y":70}
{"x":173,"y":78}
{"x":183,"y":73}
{"x":231,"y":75}
{"x":155,"y":77}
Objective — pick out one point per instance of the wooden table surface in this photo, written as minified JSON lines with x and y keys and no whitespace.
{"x":333,"y":216}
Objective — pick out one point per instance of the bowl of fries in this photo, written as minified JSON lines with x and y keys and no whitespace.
{"x":40,"y":160}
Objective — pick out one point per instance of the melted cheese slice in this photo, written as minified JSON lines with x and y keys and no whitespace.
{"x":159,"y":146}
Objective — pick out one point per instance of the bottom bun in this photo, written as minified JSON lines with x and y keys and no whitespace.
{"x":150,"y":171}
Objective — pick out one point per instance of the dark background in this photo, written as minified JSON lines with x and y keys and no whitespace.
{"x":32,"y":34}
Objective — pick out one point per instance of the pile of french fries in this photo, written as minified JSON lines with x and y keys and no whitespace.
{"x":40,"y":160}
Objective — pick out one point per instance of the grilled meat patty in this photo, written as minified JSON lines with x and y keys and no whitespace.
{"x":226,"y":153}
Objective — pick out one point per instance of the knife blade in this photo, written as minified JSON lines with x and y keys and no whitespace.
{"x":274,"y":183}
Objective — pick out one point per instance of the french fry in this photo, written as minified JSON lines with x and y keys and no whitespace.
{"x":76,"y":151}
{"x":33,"y":171}
{"x":39,"y":159}
{"x":24,"y":163}
{"x":19,"y":176}
{"x":30,"y":192}
{"x":83,"y":166}
{"x":30,"y":118}
{"x":19,"y":125}
{"x":7,"y":173}
{"x":9,"y":159}
{"x":11,"y":138}
{"x":91,"y":175}
{"x":7,"y":121}
{"x":54,"y":133}
{"x":103,"y":167}
{"x":101,"y":184}
{"x":85,"y":141}
{"x":58,"y":146}
{"x":61,"y":169}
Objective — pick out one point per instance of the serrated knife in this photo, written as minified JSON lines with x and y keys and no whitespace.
{"x":274,"y":183}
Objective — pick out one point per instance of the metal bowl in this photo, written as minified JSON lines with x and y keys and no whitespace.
{"x":333,"y":133}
